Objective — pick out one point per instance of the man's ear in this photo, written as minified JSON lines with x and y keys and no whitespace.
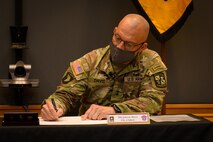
{"x":115,"y":29}
{"x":145,"y":45}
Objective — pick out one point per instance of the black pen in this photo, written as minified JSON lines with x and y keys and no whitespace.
{"x":54,"y":105}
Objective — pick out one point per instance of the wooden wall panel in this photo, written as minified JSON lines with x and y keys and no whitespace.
{"x":12,"y":108}
{"x":203,"y":110}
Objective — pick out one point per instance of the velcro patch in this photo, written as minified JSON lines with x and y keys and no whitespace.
{"x":67,"y":78}
{"x":160,"y":80}
{"x":77,"y":68}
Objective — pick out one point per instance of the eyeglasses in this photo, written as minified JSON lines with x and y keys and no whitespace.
{"x":127,"y":45}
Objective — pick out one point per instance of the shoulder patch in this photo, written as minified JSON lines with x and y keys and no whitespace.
{"x":159,"y":80}
{"x":156,"y":65}
{"x":67,"y":78}
{"x":77,"y":68}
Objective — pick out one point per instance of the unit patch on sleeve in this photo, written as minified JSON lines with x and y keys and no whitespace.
{"x":160,"y":80}
{"x":67,"y":78}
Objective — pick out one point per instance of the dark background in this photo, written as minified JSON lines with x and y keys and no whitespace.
{"x":60,"y":31}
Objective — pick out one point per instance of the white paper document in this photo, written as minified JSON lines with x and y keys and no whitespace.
{"x":71,"y":120}
{"x":173,"y":118}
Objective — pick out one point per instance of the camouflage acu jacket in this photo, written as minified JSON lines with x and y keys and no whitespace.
{"x":91,"y":79}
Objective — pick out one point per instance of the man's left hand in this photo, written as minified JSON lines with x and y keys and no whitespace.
{"x":97,"y":112}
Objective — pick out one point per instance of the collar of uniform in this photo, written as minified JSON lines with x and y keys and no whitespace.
{"x":105,"y":65}
{"x":135,"y":64}
{"x":131,"y":67}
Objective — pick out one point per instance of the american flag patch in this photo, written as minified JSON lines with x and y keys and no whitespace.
{"x":77,"y":68}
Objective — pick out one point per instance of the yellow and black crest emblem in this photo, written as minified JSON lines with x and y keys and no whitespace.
{"x":160,"y":80}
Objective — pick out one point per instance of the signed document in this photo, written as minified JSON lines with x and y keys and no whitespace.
{"x":71,"y":120}
{"x":173,"y":118}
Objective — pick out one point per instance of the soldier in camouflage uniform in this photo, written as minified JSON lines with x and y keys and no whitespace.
{"x":124,"y":76}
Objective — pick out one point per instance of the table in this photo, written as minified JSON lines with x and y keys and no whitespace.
{"x":198,"y":131}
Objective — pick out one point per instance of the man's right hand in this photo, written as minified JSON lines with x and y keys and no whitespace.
{"x":49,"y":113}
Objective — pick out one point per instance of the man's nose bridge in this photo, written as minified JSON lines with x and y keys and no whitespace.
{"x":121,"y":45}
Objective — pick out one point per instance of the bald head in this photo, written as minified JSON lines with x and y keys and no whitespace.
{"x":135,"y":27}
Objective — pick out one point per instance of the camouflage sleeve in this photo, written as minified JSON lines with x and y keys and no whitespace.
{"x":72,"y":87}
{"x":74,"y":82}
{"x":152,"y":91}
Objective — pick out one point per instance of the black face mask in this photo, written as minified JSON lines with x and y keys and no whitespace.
{"x":119,"y":56}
